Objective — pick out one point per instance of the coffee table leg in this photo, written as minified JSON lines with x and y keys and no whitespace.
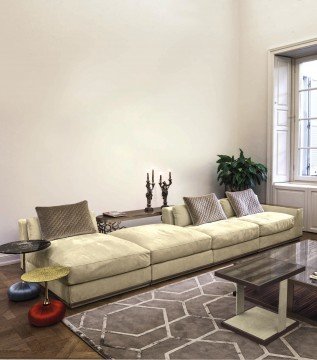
{"x":240,"y":299}
{"x":290,"y":296}
{"x":282,"y":306}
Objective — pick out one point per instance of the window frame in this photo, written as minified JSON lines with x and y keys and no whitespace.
{"x":295,"y":129}
{"x":291,"y":50}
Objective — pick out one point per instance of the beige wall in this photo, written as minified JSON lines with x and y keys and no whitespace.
{"x":94,"y":93}
{"x":266,"y":24}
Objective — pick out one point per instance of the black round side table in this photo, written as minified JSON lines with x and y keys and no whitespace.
{"x":21,"y":290}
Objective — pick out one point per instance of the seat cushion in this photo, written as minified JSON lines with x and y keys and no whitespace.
{"x":270,"y":222}
{"x":166,"y":242}
{"x":92,"y":256}
{"x":229,"y":232}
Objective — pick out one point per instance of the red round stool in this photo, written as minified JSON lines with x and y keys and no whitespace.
{"x":45,"y":315}
{"x":48,"y":312}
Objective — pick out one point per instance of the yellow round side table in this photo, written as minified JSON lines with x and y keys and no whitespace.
{"x":49,"y":311}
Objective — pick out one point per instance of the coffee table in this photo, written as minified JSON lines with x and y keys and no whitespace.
{"x":303,"y":253}
{"x":259,"y":324}
{"x":22,"y":290}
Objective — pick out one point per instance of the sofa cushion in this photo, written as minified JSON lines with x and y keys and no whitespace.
{"x":34,"y":230}
{"x":62,"y":221}
{"x":229,"y":232}
{"x":166,"y":242}
{"x":204,"y":209}
{"x":181,"y":215}
{"x":227,"y":208}
{"x":270,"y":222}
{"x":92,"y":256}
{"x":244,"y":202}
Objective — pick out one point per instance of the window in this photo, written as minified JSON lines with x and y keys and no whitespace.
{"x":306,"y":119}
{"x":292,"y":120}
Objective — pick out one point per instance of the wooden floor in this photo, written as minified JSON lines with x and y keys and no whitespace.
{"x":20,"y":340}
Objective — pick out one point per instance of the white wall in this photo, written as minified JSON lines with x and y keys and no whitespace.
{"x":94,"y":93}
{"x":266,"y":24}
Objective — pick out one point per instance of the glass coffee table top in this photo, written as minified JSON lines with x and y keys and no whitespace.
{"x":259,"y":272}
{"x":302,"y":253}
{"x":22,"y":247}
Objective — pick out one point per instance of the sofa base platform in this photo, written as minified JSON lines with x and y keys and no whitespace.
{"x":81,"y":294}
{"x":182,"y":265}
{"x":224,"y":261}
{"x":85,"y":293}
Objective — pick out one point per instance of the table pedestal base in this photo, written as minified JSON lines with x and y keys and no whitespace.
{"x":45,"y":315}
{"x":259,"y":325}
{"x":22,"y":291}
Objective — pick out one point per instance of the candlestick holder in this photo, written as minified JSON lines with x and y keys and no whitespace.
{"x":164,"y":187}
{"x":149,"y":195}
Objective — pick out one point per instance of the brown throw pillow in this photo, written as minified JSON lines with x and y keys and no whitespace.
{"x":204,"y":209}
{"x":61,"y":221}
{"x":244,"y":202}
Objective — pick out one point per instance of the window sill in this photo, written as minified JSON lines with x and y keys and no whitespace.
{"x":296,"y":184}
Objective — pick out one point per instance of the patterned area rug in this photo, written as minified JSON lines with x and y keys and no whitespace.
{"x":182,"y":321}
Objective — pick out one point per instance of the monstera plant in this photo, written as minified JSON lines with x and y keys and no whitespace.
{"x":240,"y":173}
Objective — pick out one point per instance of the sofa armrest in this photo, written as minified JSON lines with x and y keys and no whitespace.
{"x":296,"y":212}
{"x":167,"y":215}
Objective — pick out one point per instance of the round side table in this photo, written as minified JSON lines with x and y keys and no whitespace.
{"x":48,"y":312}
{"x":22,"y":291}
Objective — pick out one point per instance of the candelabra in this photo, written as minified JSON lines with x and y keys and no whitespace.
{"x":149,"y":194}
{"x":165,"y":186}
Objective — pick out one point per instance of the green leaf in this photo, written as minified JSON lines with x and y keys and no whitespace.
{"x":240,"y":173}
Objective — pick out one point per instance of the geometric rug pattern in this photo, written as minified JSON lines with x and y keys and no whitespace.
{"x":182,"y":321}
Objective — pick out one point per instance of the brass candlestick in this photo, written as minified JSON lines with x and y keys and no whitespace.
{"x":149,"y":194}
{"x":165,"y":186}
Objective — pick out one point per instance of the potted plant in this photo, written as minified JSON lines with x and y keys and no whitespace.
{"x":241,"y":173}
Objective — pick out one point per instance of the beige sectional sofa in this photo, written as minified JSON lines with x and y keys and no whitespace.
{"x":103,"y":265}
{"x":237,"y":236}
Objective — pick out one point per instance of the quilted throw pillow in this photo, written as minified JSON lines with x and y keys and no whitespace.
{"x":62,"y":221}
{"x":204,"y":209}
{"x":244,"y":202}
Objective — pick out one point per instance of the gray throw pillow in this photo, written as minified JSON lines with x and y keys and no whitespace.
{"x":204,"y":209}
{"x":62,"y":221}
{"x":244,"y":202}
